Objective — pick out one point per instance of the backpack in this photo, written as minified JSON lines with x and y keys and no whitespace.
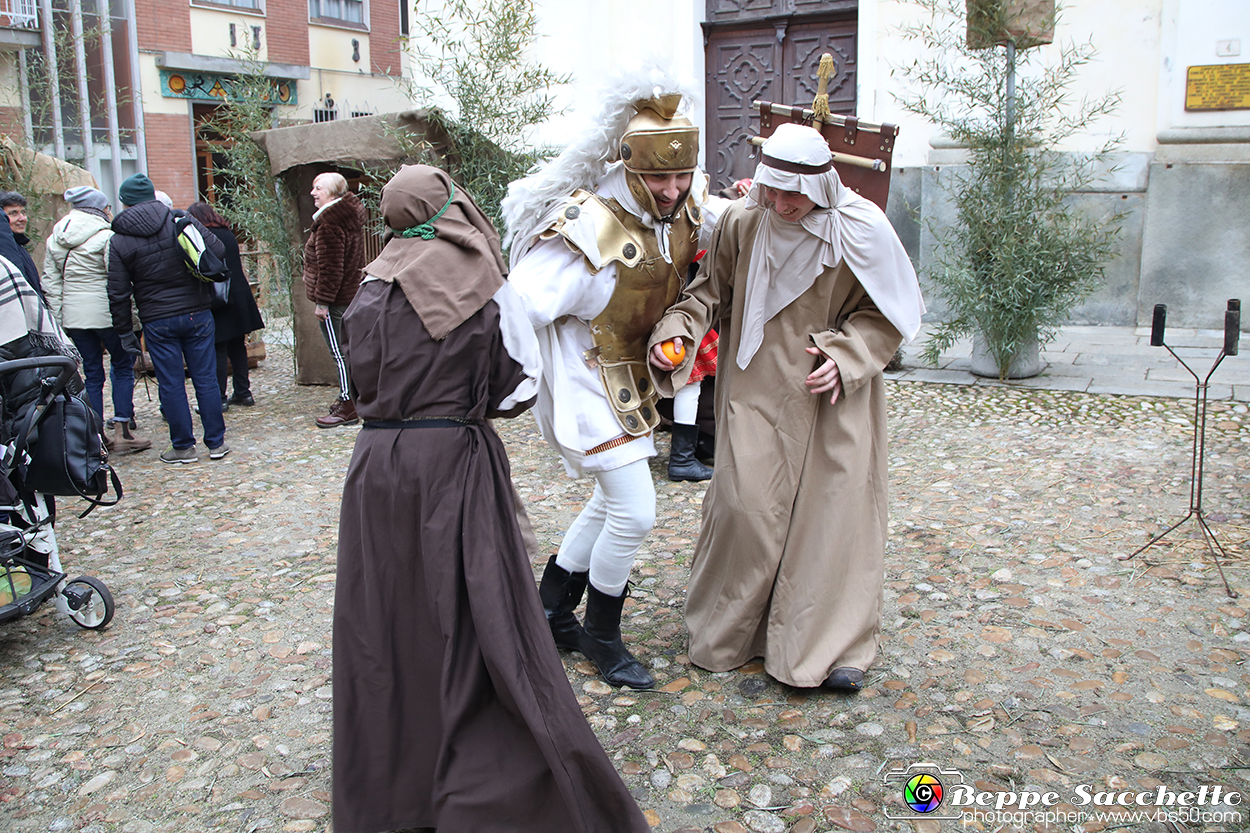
{"x":200,"y":260}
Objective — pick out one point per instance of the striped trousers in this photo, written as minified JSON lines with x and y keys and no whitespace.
{"x":332,"y":332}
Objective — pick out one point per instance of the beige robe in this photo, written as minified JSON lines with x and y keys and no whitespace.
{"x":790,"y":562}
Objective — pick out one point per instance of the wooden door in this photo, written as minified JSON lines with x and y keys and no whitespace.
{"x":804,"y":45}
{"x":771,"y":60}
{"x":742,"y":66}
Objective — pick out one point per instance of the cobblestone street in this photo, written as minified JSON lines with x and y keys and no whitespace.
{"x":1018,"y":649}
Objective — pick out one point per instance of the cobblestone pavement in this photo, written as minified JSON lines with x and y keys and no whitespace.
{"x":1018,"y":651}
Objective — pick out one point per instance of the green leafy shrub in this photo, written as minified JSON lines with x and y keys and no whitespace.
{"x":1021,"y":254}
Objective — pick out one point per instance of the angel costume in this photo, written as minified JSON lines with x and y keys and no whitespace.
{"x":790,"y":561}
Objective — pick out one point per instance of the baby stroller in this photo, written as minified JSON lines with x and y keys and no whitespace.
{"x":30,"y":565}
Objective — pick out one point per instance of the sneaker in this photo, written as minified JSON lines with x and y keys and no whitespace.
{"x":125,"y":441}
{"x":243,"y":398}
{"x":218,"y":452}
{"x":180,"y":455}
{"x":342,"y":412}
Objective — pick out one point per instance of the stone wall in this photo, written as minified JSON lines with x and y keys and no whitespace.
{"x":1185,"y":238}
{"x":1196,"y":251}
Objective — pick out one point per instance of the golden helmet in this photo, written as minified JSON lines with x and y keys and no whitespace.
{"x":656,"y":141}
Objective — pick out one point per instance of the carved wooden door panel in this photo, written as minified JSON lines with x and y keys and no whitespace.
{"x":804,"y":45}
{"x":742,"y":66}
{"x":774,"y":60}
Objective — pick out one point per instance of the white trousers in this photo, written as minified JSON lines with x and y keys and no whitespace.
{"x":607,"y":534}
{"x":686,"y":404}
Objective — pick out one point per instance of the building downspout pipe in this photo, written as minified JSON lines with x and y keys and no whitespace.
{"x":110,"y":94}
{"x":136,"y":87}
{"x":54,"y":86}
{"x":89,"y":160}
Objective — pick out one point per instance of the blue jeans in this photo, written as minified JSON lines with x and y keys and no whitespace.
{"x":91,"y":345}
{"x":170,"y":341}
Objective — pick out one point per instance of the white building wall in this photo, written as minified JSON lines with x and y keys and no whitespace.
{"x":1175,"y":164}
{"x":1195,"y":33}
{"x":210,"y":33}
{"x":1143,"y":48}
{"x":591,"y":41}
{"x":1126,"y":36}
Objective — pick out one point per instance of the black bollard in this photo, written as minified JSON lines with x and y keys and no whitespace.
{"x":1156,"y":328}
{"x":1232,"y":326}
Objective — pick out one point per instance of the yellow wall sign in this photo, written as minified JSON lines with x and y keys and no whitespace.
{"x":1218,"y":87}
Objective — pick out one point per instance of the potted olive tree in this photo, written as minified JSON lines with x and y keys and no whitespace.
{"x":1020,"y":254}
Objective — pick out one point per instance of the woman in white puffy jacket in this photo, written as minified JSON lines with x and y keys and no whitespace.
{"x":75,"y":281}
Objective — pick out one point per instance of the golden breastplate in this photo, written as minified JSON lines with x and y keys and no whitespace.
{"x":646,"y":286}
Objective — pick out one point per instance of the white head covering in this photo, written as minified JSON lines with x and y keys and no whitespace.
{"x":788,"y":257}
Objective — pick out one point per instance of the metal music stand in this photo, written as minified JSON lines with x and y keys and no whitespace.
{"x":1232,"y":335}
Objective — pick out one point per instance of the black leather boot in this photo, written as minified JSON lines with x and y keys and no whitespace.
{"x":561,"y":593}
{"x":601,"y":642}
{"x":682,"y":464}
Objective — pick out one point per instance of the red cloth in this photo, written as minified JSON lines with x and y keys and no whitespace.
{"x":705,"y":359}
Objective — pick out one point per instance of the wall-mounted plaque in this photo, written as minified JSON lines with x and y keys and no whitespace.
{"x":210,"y":86}
{"x":1218,"y":87}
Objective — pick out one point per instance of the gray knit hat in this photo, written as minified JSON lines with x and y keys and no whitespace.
{"x":84,"y":196}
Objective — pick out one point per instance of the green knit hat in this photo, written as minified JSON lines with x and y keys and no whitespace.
{"x":136,"y":189}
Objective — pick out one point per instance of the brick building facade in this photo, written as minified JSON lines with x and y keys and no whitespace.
{"x":172,"y":64}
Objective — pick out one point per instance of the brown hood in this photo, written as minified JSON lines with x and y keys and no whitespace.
{"x":451,"y":276}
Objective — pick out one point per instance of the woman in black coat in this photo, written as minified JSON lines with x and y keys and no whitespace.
{"x":235,"y":320}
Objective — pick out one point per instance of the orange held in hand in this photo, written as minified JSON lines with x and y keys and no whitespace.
{"x":673,"y":351}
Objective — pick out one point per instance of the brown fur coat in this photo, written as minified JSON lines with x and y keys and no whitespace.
{"x":334,"y":255}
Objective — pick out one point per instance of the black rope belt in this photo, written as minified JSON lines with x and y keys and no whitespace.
{"x":427,"y":422}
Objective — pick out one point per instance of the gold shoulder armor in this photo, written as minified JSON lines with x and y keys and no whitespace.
{"x":694,"y":212}
{"x":614,"y":241}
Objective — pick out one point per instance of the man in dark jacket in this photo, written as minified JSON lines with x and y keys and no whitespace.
{"x":145,"y":261}
{"x":14,"y":206}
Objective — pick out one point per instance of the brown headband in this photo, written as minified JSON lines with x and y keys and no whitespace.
{"x":795,"y":167}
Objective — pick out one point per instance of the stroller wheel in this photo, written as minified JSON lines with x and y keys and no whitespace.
{"x":90,"y":602}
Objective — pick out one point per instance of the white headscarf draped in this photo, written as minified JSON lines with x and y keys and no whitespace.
{"x":788,"y":257}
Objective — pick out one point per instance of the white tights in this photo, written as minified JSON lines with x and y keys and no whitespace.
{"x":607,"y":534}
{"x":686,"y":404}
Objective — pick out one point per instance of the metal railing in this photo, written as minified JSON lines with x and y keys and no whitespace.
{"x":330,"y":110}
{"x":19,"y":14}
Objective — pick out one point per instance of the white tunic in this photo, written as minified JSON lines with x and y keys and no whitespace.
{"x":562,"y":296}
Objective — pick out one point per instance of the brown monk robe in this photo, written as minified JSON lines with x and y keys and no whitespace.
{"x":451,"y":706}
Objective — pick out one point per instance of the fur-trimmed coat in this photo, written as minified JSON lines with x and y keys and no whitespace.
{"x":334,"y":255}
